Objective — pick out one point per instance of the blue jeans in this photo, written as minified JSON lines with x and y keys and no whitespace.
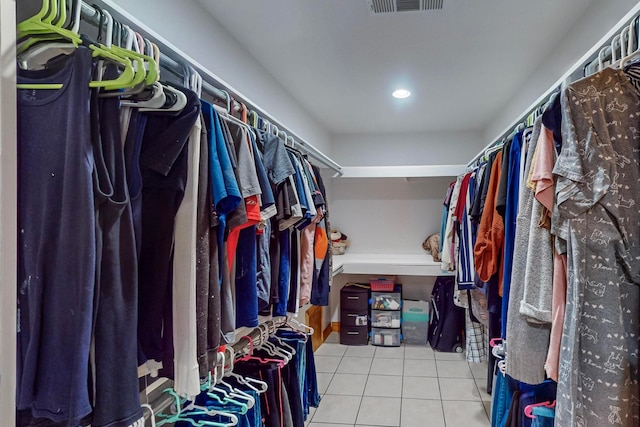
{"x":297,"y":342}
{"x":280,"y":308}
{"x":502,"y":395}
{"x":246,"y":273}
{"x":311,"y":380}
{"x":544,"y":417}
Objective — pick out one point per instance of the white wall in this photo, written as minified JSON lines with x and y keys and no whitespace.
{"x":8,"y":212}
{"x":387,"y":215}
{"x":444,"y":148}
{"x":595,"y":22}
{"x":393,"y":215}
{"x":189,"y":27}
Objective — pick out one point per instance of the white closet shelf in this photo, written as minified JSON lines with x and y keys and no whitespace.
{"x":411,"y":171}
{"x":391,"y":264}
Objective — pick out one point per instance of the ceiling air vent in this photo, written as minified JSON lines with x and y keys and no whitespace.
{"x":392,"y":6}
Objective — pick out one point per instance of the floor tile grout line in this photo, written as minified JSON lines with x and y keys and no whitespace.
{"x":363,"y":391}
{"x":480,"y":394}
{"x":444,"y":418}
{"x":404,"y":359}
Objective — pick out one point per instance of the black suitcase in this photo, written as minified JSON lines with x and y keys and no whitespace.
{"x":446,"y":320}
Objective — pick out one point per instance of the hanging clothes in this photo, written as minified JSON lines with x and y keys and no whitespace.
{"x":164,"y":165}
{"x":207,"y":266}
{"x":532,"y":268}
{"x":510,"y":217}
{"x":116,"y":390}
{"x":322,"y":285}
{"x":598,"y":172}
{"x":56,"y":242}
{"x":184,"y":290}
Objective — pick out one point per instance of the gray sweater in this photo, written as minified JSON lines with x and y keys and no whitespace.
{"x":527,"y":342}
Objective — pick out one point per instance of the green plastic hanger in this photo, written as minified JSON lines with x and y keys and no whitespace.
{"x":128,"y":77}
{"x":125,"y":80}
{"x":53,"y":11}
{"x":42,"y":23}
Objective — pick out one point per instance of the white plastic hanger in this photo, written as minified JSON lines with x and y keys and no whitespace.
{"x":601,"y":56}
{"x":631,"y":54}
{"x":299,"y":324}
{"x":239,"y":394}
{"x":254,"y":384}
{"x":623,"y":39}
{"x":152,"y":417}
{"x":271,"y":348}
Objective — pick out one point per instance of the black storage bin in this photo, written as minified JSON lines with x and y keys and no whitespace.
{"x":354,"y":315}
{"x":357,"y":335}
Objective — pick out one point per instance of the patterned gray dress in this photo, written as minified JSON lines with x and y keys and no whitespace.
{"x":598,"y":181}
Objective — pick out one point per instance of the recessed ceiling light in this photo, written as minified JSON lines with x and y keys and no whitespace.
{"x":401,"y":93}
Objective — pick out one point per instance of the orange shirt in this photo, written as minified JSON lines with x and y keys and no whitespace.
{"x":488,"y":248}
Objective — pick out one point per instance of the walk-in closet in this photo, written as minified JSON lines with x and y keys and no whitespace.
{"x":287,"y":213}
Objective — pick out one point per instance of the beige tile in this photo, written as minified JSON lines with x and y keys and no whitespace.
{"x":383,"y":386}
{"x":449,"y":356}
{"x":479,"y":370}
{"x":465,"y":414}
{"x":481,"y":383}
{"x":323,"y":381}
{"x":347,"y":384}
{"x":420,"y":388}
{"x":312,"y":411}
{"x":360,"y":351}
{"x":379,"y":411}
{"x":420,"y":368}
{"x":331,"y":349}
{"x":487,"y":408}
{"x":337,"y":410}
{"x":383,"y":366}
{"x":390,"y":352}
{"x":416,"y":412}
{"x":418,"y":352}
{"x":354,"y":365}
{"x":453,"y":369}
{"x":327,"y":364}
{"x":327,"y":425}
{"x":458,"y":389}
{"x":333,"y":337}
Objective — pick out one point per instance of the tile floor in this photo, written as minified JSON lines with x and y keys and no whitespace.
{"x":407,"y":386}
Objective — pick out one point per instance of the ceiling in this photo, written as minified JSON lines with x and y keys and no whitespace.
{"x":461,"y":63}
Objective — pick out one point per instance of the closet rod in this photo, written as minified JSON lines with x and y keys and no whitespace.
{"x":211,"y":83}
{"x":242,"y":345}
{"x":586,"y":59}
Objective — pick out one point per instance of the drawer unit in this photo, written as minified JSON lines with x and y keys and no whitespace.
{"x":385,"y":337}
{"x":385,"y":319}
{"x":349,"y":318}
{"x":354,"y":298}
{"x":354,"y":315}
{"x":355,"y":335}
{"x":386,"y":300}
